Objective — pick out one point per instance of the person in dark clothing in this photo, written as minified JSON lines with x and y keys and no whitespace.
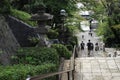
{"x":82,"y":36}
{"x":90,"y":47}
{"x":96,"y":47}
{"x":91,"y":34}
{"x":82,"y":45}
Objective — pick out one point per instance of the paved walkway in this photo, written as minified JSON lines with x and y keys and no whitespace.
{"x":94,"y":39}
{"x":98,"y":66}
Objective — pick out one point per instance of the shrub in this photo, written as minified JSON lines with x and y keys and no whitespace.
{"x":69,"y":47}
{"x":62,"y":50}
{"x":20,"y":72}
{"x":71,"y":29}
{"x":73,"y":41}
{"x":116,"y":30}
{"x":36,"y":56}
{"x":5,"y":7}
{"x":52,"y":34}
{"x":23,"y":16}
{"x":105,"y":31}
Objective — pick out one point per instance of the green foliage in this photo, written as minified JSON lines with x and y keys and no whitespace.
{"x":52,"y":6}
{"x":52,"y":34}
{"x":73,"y":40}
{"x":105,"y":31}
{"x":5,"y":7}
{"x":96,"y":6}
{"x":103,"y":9}
{"x":116,"y":30}
{"x":35,"y":5}
{"x":69,"y":47}
{"x":71,"y":30}
{"x":62,"y":50}
{"x":33,"y":40}
{"x":36,"y":56}
{"x":1,"y":51}
{"x":20,"y":72}
{"x":23,"y":16}
{"x":74,"y":20}
{"x":113,"y":11}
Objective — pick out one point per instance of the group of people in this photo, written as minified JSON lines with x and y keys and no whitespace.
{"x":90,"y":46}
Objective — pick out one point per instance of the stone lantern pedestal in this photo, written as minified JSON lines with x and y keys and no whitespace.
{"x":41,"y":17}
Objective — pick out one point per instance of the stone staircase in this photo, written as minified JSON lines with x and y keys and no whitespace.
{"x":97,"y":68}
{"x":99,"y":65}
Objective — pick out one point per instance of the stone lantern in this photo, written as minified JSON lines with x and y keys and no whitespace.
{"x":41,"y":17}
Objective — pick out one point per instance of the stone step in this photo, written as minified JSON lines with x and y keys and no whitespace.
{"x":97,"y":68}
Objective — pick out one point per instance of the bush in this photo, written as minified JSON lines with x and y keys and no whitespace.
{"x":105,"y":31}
{"x":73,"y":41}
{"x":5,"y":7}
{"x":70,"y":47}
{"x":36,"y":56}
{"x":52,"y":34}
{"x":116,"y":30}
{"x":62,"y":50}
{"x":23,"y":16}
{"x":20,"y":72}
{"x":71,"y":29}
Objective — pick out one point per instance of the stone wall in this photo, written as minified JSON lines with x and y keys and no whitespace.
{"x":8,"y":43}
{"x":22,"y":31}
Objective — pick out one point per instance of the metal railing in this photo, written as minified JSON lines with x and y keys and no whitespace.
{"x":69,"y":72}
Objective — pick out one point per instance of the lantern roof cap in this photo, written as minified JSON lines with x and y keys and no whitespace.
{"x":41,"y":16}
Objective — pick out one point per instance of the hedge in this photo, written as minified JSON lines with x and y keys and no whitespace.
{"x":20,"y":72}
{"x":36,"y":56}
{"x":25,"y":17}
{"x":62,"y":50}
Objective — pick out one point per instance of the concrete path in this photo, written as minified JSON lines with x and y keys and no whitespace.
{"x":94,"y":39}
{"x":98,"y":66}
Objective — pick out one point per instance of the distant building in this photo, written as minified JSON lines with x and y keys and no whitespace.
{"x":94,"y":24}
{"x":86,"y":14}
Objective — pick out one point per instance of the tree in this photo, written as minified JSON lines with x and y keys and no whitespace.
{"x":112,"y":9}
{"x":52,"y":6}
{"x":108,"y":12}
{"x":5,"y":7}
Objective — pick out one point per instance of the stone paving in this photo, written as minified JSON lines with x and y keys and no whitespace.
{"x":97,"y":68}
{"x":94,"y":39}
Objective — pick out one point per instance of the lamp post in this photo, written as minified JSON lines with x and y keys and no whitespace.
{"x":63,"y":15}
{"x":41,"y":17}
